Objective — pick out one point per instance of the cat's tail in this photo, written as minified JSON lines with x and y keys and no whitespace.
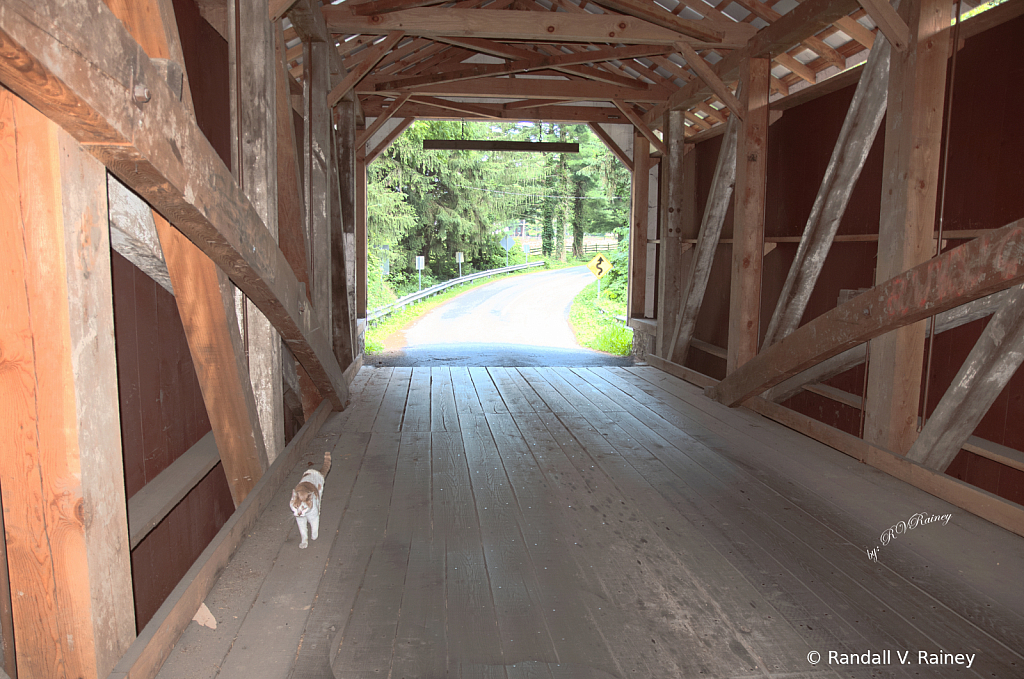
{"x":327,"y":463}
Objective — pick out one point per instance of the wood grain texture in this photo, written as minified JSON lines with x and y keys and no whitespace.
{"x":677,"y":206}
{"x":65,"y":518}
{"x":87,"y":88}
{"x":636,"y":297}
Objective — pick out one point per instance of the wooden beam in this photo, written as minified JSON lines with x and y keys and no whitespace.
{"x":910,"y":181}
{"x":361,"y":232}
{"x":373,"y":56}
{"x":710,"y":78}
{"x":133,"y":234}
{"x":383,"y":6}
{"x":864,"y":117}
{"x":638,"y":224}
{"x":891,"y":24}
{"x":748,"y":220}
{"x":254,"y":127}
{"x":483,"y":112}
{"x":503,"y":25}
{"x":612,"y":146}
{"x":364,"y":137}
{"x":317,"y":158}
{"x":988,"y":368}
{"x":529,"y":88}
{"x":88,"y":87}
{"x":386,"y":142}
{"x":343,"y":234}
{"x":156,"y":640}
{"x":62,"y":475}
{"x":160,"y":495}
{"x":975,"y":269}
{"x":641,"y":127}
{"x":702,"y":30}
{"x":677,"y":205}
{"x":306,"y":19}
{"x":851,"y":358}
{"x":719,"y":200}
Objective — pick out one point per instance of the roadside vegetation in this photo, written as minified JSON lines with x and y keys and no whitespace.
{"x":434,"y":204}
{"x":599,"y":321}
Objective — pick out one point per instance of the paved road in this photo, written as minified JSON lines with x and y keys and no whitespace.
{"x":517,"y":321}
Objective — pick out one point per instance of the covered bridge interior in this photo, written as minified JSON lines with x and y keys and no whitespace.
{"x":814,"y":469}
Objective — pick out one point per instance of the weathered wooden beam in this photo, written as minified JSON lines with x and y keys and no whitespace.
{"x":373,"y":56}
{"x":529,"y":88}
{"x":748,"y":219}
{"x":910,"y":183}
{"x":638,"y":264}
{"x":64,"y":507}
{"x":500,"y":145}
{"x":650,"y":12}
{"x":253,"y":81}
{"x":503,"y":25}
{"x":89,"y":87}
{"x":641,"y":127}
{"x":386,"y":142}
{"x":719,"y":200}
{"x":891,"y":24}
{"x":980,"y":267}
{"x":864,"y":117}
{"x":361,"y":234}
{"x":988,"y":368}
{"x":306,"y":19}
{"x":343,"y":235}
{"x":382,"y":6}
{"x":710,"y":78}
{"x":676,"y":207}
{"x":523,"y":63}
{"x":483,"y":112}
{"x":133,"y":234}
{"x":851,"y":358}
{"x":363,"y":137}
{"x":610,"y":144}
{"x":316,"y":173}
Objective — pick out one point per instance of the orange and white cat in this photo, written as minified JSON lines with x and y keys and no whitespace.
{"x":305,"y":502}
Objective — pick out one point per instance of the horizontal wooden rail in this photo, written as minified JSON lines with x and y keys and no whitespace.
{"x":114,"y":100}
{"x":155,"y":500}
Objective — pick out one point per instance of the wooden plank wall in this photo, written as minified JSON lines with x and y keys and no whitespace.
{"x":162,"y":416}
{"x":983,"y":193}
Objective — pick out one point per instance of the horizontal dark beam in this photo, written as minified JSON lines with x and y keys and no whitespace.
{"x":485,"y":145}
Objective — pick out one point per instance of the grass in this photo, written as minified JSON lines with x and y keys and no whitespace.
{"x":593,"y":321}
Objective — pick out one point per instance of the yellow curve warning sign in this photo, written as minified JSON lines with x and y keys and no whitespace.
{"x":599,"y":266}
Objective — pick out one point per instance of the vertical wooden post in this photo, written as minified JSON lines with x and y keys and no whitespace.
{"x":653,"y":210}
{"x":361,"y":180}
{"x":61,"y":472}
{"x":316,"y":144}
{"x":252,"y":52}
{"x":673,"y":188}
{"x":910,"y":176}
{"x":748,"y":221}
{"x":635,"y":299}
{"x":343,"y":235}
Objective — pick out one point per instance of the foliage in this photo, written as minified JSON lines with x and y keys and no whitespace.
{"x":594,"y":323}
{"x":614,"y":285}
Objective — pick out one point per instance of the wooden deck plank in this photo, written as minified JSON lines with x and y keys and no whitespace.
{"x":421,"y":640}
{"x":490,"y":398}
{"x":417,"y":407}
{"x":361,"y":529}
{"x":392,"y":408}
{"x":362,"y":413}
{"x":511,"y":394}
{"x":472,"y":626}
{"x":444,"y":415}
{"x":517,"y":603}
{"x":556,"y":403}
{"x":466,"y":399}
{"x":537,"y":403}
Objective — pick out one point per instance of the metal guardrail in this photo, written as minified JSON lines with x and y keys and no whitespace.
{"x":403,"y":302}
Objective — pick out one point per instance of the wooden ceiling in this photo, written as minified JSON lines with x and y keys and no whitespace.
{"x":612,"y":61}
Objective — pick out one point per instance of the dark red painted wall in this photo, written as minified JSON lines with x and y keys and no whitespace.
{"x":983,"y":191}
{"x":162,"y":415}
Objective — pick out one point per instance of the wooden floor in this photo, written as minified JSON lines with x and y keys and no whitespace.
{"x":601,"y":522}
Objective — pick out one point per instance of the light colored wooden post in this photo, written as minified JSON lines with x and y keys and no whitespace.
{"x":343,"y":235}
{"x":61,"y":472}
{"x":252,"y":55}
{"x":673,"y":202}
{"x":638,"y":264}
{"x":748,"y":221}
{"x":361,"y":180}
{"x":910,"y":176}
{"x":317,"y":146}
